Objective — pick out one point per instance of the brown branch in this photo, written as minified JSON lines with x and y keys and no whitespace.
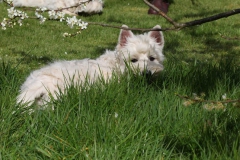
{"x":162,"y":14}
{"x":176,"y":25}
{"x":212,"y":18}
{"x":135,"y":29}
{"x":10,"y":4}
{"x":194,"y":22}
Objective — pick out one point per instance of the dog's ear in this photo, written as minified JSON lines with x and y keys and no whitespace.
{"x":124,"y":34}
{"x":157,"y":35}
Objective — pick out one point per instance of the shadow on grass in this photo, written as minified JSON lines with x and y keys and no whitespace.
{"x":220,"y":137}
{"x":27,"y":58}
{"x":100,"y":50}
{"x":207,"y":45}
{"x":212,"y":38}
{"x":201,"y":77}
{"x":218,"y":46}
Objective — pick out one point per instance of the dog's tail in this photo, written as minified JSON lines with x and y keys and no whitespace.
{"x":34,"y":91}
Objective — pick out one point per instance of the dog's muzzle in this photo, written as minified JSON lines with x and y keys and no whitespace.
{"x":147,"y":73}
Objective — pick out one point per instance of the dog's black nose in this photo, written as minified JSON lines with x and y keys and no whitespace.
{"x":147,"y":73}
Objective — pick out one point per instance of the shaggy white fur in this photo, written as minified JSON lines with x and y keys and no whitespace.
{"x":77,"y":6}
{"x":141,"y":52}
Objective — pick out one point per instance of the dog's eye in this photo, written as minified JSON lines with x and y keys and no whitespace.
{"x":134,"y":60}
{"x":151,"y":58}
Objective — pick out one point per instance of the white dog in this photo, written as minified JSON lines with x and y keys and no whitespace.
{"x":73,"y":7}
{"x":141,"y":53}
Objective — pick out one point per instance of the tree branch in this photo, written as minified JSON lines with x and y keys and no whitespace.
{"x":135,"y":29}
{"x":176,"y":25}
{"x":162,"y":14}
{"x":194,"y":22}
{"x":212,"y":18}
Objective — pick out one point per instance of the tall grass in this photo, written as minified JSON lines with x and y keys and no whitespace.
{"x":133,"y":117}
{"x":137,"y":118}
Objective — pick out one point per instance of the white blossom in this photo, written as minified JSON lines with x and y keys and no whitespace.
{"x":40,"y":16}
{"x":52,"y":14}
{"x":17,"y":17}
{"x":20,"y":22}
{"x":4,"y":24}
{"x":65,"y":34}
{"x":84,"y":25}
{"x":42,"y":19}
{"x":42,"y":9}
{"x":37,"y":14}
{"x":71,"y":21}
{"x":11,"y":12}
{"x":79,"y":22}
{"x":74,"y":21}
{"x":61,"y":16}
{"x":24,"y":15}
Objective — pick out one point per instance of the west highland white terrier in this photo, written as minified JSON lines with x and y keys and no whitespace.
{"x":141,"y":53}
{"x":72,"y":7}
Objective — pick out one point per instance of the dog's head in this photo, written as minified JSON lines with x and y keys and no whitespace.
{"x":142,"y":52}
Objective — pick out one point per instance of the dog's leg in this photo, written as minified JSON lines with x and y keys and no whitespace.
{"x":38,"y":89}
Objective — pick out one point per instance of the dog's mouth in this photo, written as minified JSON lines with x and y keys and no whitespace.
{"x":149,"y":73}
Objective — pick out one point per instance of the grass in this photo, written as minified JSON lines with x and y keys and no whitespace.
{"x":139,"y":118}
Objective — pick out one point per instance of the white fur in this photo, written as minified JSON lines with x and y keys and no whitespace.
{"x":141,"y":52}
{"x":78,"y":6}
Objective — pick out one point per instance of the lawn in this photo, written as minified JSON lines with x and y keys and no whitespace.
{"x":190,"y":111}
